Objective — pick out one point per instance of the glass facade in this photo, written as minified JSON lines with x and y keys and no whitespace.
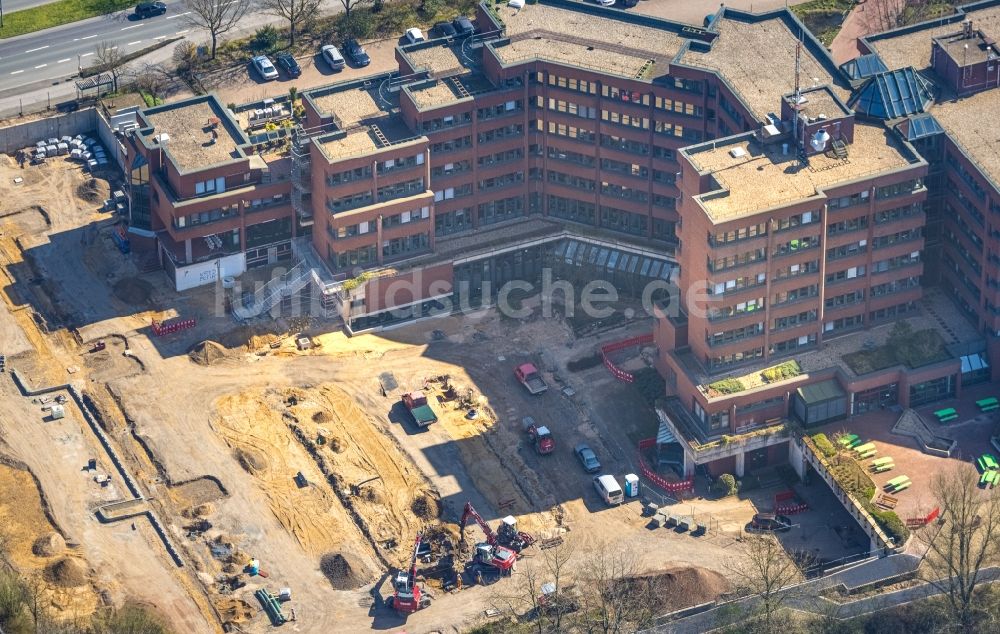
{"x":139,"y":194}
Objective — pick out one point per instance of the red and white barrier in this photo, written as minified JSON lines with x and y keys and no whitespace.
{"x":164,"y":328}
{"x":657,"y":479}
{"x":622,"y":375}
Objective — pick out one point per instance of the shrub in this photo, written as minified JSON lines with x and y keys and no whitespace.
{"x":265,"y":39}
{"x":785,"y":370}
{"x":891,"y":524}
{"x":726,"y":386}
{"x":725,"y":485}
{"x":824,"y":445}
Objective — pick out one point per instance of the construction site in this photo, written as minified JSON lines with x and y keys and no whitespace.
{"x":237,"y":477}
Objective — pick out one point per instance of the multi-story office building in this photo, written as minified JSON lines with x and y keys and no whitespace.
{"x":804,"y":200}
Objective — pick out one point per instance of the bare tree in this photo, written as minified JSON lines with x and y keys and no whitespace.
{"x":217,"y":17}
{"x":885,"y":14}
{"x":539,"y":592}
{"x":352,"y":4}
{"x":154,"y":80}
{"x":297,"y":12}
{"x":963,"y":545}
{"x":110,"y":59}
{"x":765,"y":572}
{"x":618,"y":598}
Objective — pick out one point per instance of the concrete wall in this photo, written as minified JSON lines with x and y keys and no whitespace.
{"x":22,"y":135}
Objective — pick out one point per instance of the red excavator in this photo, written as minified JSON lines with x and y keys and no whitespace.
{"x":493,"y":553}
{"x":409,"y":597}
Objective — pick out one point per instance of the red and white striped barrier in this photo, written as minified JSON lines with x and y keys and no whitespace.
{"x":622,"y":375}
{"x":161,"y":328}
{"x":657,"y":479}
{"x":791,"y":509}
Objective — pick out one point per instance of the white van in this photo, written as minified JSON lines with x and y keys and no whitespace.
{"x":607,"y":487}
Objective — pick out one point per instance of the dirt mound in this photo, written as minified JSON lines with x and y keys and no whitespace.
{"x":342,"y":571}
{"x":426,"y":507}
{"x":322,"y":417}
{"x":132,"y":290}
{"x":49,"y":545}
{"x":207,"y":353}
{"x":67,"y":572}
{"x":252,"y":460}
{"x":234,"y":610}
{"x":93,"y":191}
{"x":680,"y":587}
{"x":202,"y":510}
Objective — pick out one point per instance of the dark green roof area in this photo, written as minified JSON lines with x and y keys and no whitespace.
{"x":892,"y":94}
{"x":821,"y":392}
{"x":863,"y":67}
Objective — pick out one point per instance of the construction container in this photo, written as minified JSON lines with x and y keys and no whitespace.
{"x":631,"y":485}
{"x":57,"y":412}
{"x":285,"y":594}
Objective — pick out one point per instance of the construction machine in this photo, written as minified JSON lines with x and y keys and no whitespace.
{"x":408,"y":596}
{"x":491,"y":552}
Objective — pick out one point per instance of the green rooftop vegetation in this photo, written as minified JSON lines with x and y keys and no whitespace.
{"x":735,"y":385}
{"x":905,"y":346}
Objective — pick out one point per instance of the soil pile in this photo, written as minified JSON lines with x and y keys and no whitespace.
{"x":132,"y":290}
{"x":207,"y":353}
{"x":251,"y":460}
{"x":322,"y":417}
{"x":234,"y":610}
{"x":426,"y":507}
{"x":49,"y":545}
{"x":93,"y":191}
{"x":342,"y":572}
{"x":67,"y":572}
{"x":679,"y":587}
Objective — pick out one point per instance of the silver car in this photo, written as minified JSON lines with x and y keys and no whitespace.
{"x":265,"y":67}
{"x":333,"y":57}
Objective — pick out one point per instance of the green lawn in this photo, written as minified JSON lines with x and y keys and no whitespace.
{"x":922,"y":348}
{"x":56,"y":13}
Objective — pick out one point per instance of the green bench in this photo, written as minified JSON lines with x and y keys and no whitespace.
{"x":902,"y":487}
{"x":867,"y":454}
{"x":847,"y":440}
{"x":881,"y":461}
{"x":942,"y":413}
{"x":891,"y":484}
{"x":885,"y":466}
{"x":948,"y":419}
{"x":990,"y":461}
{"x":988,"y":404}
{"x":865,"y":447}
{"x":988,"y":477}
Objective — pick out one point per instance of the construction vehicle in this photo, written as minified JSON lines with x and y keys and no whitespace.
{"x":530,"y":378}
{"x":509,"y":536}
{"x":540,"y":436}
{"x":97,"y":347}
{"x":491,"y":552}
{"x":408,"y":597}
{"x":416,"y":403}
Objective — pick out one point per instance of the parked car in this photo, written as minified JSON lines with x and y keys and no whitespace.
{"x":606,"y":3}
{"x":414,"y":35}
{"x":445,"y":29}
{"x":587,"y":458}
{"x":286,"y":62}
{"x":149,"y":9}
{"x":769,"y":523}
{"x":356,"y":53}
{"x":333,"y":57}
{"x":265,"y":67}
{"x":464,"y":26}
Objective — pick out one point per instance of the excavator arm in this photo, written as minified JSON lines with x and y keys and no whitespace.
{"x":469,"y":511}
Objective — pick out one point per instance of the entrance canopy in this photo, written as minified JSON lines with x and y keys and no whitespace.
{"x":820,"y":392}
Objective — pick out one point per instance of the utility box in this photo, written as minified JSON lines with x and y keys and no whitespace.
{"x":631,"y":485}
{"x":56,"y":412}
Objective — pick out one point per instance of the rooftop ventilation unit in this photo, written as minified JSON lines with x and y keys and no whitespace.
{"x":737,"y":152}
{"x":819,"y":140}
{"x":162,"y":138}
{"x":771,"y":130}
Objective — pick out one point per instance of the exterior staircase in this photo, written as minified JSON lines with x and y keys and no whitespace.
{"x":273,"y":292}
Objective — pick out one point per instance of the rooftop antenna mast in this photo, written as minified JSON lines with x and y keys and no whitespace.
{"x":798,"y":94}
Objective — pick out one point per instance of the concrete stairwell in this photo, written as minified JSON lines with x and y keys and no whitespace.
{"x":273,"y":292}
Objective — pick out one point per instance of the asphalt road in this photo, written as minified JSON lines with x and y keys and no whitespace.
{"x":49,"y":57}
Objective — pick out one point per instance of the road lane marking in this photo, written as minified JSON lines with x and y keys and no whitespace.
{"x":40,"y":48}
{"x":160,"y":37}
{"x":171,"y":17}
{"x":16,"y":72}
{"x":90,"y":36}
{"x":134,"y":26}
{"x":182,"y":32}
{"x":40,"y":66}
{"x":86,"y":55}
{"x":68,"y":59}
{"x":133,"y":43}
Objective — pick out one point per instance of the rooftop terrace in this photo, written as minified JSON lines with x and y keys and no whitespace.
{"x":353,"y":105}
{"x":191,"y":143}
{"x":764,"y":177}
{"x":440,"y":60}
{"x":972,"y":123}
{"x":448,"y":90}
{"x":914,"y":48}
{"x":758,"y":60}
{"x":362,"y":139}
{"x":820,"y":102}
{"x":936,"y":311}
{"x":599,"y":39}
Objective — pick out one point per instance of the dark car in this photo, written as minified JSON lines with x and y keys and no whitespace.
{"x":769,"y":523}
{"x":587,"y":458}
{"x":445,"y":29}
{"x":464,"y":26}
{"x":149,"y":9}
{"x":356,"y":53}
{"x":287,"y":63}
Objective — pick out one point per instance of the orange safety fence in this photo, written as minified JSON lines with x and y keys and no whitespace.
{"x":623,"y":375}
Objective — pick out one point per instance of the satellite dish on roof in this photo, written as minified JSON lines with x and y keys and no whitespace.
{"x":820,"y":139}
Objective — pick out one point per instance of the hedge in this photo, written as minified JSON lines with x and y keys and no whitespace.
{"x":824,"y":445}
{"x":726,"y":386}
